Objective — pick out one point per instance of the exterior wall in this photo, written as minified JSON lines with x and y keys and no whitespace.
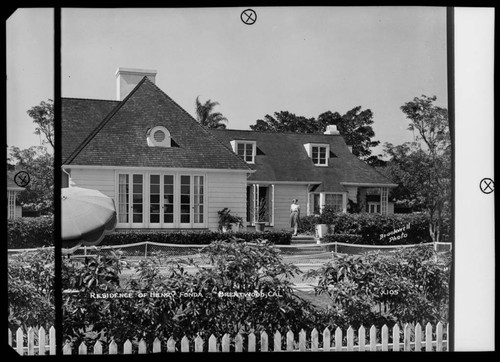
{"x":283,"y":195}
{"x":225,"y":189}
{"x":97,"y":179}
{"x":222,"y":189}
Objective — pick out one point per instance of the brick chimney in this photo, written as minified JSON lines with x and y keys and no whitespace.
{"x":127,"y":79}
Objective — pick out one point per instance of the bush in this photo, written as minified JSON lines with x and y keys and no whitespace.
{"x":33,"y":232}
{"x":31,"y":289}
{"x":376,"y":229}
{"x":193,"y":237}
{"x":412,"y":283}
{"x":209,"y":305}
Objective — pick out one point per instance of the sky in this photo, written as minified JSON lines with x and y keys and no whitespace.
{"x":303,"y":60}
{"x":30,"y":71}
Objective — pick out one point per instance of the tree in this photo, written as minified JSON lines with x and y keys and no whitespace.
{"x":43,"y":117}
{"x":207,"y":117}
{"x":39,"y":164}
{"x":354,"y":126}
{"x":423,"y":167}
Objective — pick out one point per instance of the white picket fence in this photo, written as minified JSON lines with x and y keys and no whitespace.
{"x":38,"y":342}
{"x":410,"y":338}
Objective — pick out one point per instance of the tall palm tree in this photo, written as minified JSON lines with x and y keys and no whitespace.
{"x":207,"y":117}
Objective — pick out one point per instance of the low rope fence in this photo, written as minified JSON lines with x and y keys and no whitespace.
{"x":301,"y":254}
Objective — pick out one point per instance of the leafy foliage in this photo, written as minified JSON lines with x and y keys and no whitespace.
{"x":354,"y":126}
{"x":206,"y":116}
{"x":196,"y":238}
{"x":33,"y":232}
{"x":38,"y":195}
{"x":192,"y":302}
{"x":43,"y":117}
{"x":370,"y":227}
{"x":407,"y":286}
{"x":423,"y":168}
{"x":31,"y":289}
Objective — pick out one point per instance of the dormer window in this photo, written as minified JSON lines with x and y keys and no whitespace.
{"x":245,"y":149}
{"x":158,"y":136}
{"x":319,"y":153}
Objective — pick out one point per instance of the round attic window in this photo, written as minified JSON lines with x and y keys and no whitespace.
{"x":158,"y":136}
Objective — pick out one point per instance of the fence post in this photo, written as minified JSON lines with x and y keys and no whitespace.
{"x":146,"y":249}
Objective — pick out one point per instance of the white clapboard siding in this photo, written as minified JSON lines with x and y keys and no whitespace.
{"x":97,"y":179}
{"x":225,"y":189}
{"x":408,"y":338}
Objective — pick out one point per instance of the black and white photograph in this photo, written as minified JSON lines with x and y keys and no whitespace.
{"x":249,"y":180}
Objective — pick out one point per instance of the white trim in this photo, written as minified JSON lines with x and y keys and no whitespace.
{"x":166,"y":142}
{"x":234,"y":144}
{"x":285,"y":182}
{"x":156,"y":169}
{"x":309,"y":146}
{"x":368,"y":184}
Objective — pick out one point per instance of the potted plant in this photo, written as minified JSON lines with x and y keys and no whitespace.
{"x":262,"y":216}
{"x":227,"y":221}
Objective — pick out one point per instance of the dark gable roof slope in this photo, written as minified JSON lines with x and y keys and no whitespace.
{"x":79,"y":118}
{"x":119,"y":139}
{"x":283,"y":157}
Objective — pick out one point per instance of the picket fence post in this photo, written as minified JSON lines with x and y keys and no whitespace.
{"x":413,"y":340}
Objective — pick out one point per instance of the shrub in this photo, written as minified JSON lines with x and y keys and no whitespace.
{"x":31,"y":289}
{"x":33,"y":232}
{"x":236,"y":267}
{"x":412,"y":283}
{"x":379,"y":229}
{"x":193,"y":237}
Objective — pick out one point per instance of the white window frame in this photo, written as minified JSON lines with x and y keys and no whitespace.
{"x":322,"y":200}
{"x":146,"y":203}
{"x":166,"y":142}
{"x":236,"y":143}
{"x":309,"y":149}
{"x":372,"y":207}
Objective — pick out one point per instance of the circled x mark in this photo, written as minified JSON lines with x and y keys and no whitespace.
{"x":487,"y":185}
{"x":22,"y":179}
{"x":248,"y":16}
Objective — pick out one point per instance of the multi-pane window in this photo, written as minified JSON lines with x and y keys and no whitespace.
{"x":246,"y":151}
{"x":374,"y":208}
{"x":335,"y":201}
{"x":168,"y":199}
{"x":319,"y":155}
{"x":320,"y":200}
{"x":160,"y":200}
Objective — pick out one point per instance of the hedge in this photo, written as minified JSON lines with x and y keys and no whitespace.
{"x":376,"y":229}
{"x":30,"y":232}
{"x":193,"y":237}
{"x":343,"y":238}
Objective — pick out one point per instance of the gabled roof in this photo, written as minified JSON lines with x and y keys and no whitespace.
{"x":283,"y":157}
{"x":118,"y":138}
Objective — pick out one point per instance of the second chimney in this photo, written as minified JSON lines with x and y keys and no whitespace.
{"x":332,"y":129}
{"x":127,"y":79}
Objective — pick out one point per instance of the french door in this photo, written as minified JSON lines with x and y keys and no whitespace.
{"x":161,"y":200}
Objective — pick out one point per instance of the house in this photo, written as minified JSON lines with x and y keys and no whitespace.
{"x":13,"y":210}
{"x":166,"y":171}
{"x":316,"y":169}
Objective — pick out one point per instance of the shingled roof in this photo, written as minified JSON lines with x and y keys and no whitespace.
{"x":113,"y":133}
{"x":283,"y":157}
